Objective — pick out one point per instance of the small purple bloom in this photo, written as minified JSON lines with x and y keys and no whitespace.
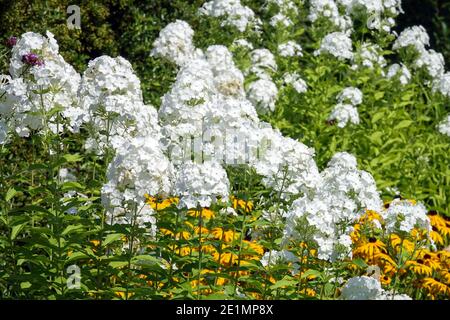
{"x":11,"y":42}
{"x":32,"y":59}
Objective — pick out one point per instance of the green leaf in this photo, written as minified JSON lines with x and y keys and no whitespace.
{"x":10,"y":194}
{"x":377,"y":116}
{"x":73,"y":157}
{"x":74,"y":256}
{"x":111,"y":238}
{"x":312,"y":272}
{"x":144,"y":260}
{"x":376,"y":137}
{"x":16,"y":230}
{"x":378,"y":95}
{"x":54,"y":111}
{"x":71,"y":229}
{"x":360,"y":263}
{"x":217,"y":296}
{"x":403,"y":124}
{"x":25,"y":285}
{"x":118,"y":264}
{"x":283,"y":283}
{"x":71,"y":185}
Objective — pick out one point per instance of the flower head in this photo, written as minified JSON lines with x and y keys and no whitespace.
{"x":32,"y":59}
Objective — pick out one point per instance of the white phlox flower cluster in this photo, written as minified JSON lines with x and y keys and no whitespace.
{"x":417,"y":38}
{"x":200,"y":184}
{"x":337,"y":44}
{"x":369,"y":56}
{"x":263,"y":63}
{"x":442,"y":84}
{"x":379,"y":14}
{"x":350,"y":95}
{"x":233,"y":12}
{"x":444,"y":126}
{"x":345,"y":111}
{"x":400,"y":71}
{"x":286,"y":11}
{"x":342,"y":194}
{"x":263,"y":92}
{"x":287,"y":165}
{"x":368,"y":288}
{"x":111,"y":104}
{"x":402,"y":216}
{"x":296,"y":82}
{"x":432,"y":62}
{"x":328,"y":9}
{"x":39,"y":81}
{"x":290,"y":49}
{"x":206,"y":101}
{"x":175,"y":43}
{"x":138,"y":168}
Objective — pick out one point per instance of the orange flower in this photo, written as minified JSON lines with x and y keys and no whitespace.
{"x":96,"y":243}
{"x":385,"y":279}
{"x":228,"y":258}
{"x":439,"y":224}
{"x":183,"y":235}
{"x":158,"y":203}
{"x":419,"y":268}
{"x":434,"y":286}
{"x":206,"y":213}
{"x":123,"y":295}
{"x":370,"y":248}
{"x":166,"y":232}
{"x":254,"y":246}
{"x":396,"y":241}
{"x":227,"y":236}
{"x":247,"y":206}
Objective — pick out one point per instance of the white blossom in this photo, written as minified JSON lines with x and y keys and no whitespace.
{"x":341,"y":195}
{"x":138,"y":168}
{"x":444,"y":126}
{"x":296,"y":82}
{"x":337,"y":44}
{"x":201,"y":184}
{"x":175,"y":43}
{"x":234,"y":13}
{"x":350,"y":95}
{"x":415,"y":36}
{"x":290,"y":49}
{"x":442,"y":84}
{"x":404,"y":216}
{"x":400,"y":71}
{"x":263,"y":94}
